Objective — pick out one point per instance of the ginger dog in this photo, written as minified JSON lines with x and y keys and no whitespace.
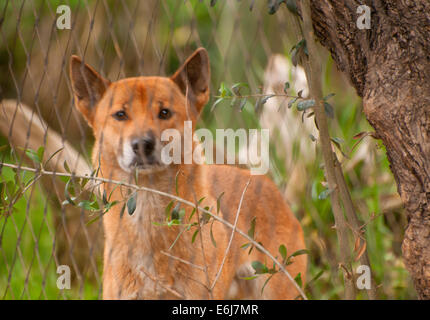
{"x":143,"y":257}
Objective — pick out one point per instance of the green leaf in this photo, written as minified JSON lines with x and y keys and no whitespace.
{"x":40,"y":153}
{"x":248,"y":278}
{"x":169,"y":208}
{"x":329,"y":111}
{"x":105,"y":200}
{"x":291,"y":102}
{"x":205,"y":216}
{"x":286,"y":87}
{"x":194,"y":209}
{"x":218,"y":202}
{"x":67,"y":194}
{"x":174,"y":222}
{"x":244,"y":246}
{"x":84,"y":182}
{"x":265,"y":283}
{"x":176,"y":217}
{"x":264,"y":100}
{"x":176,"y":183}
{"x":329,"y":96}
{"x":337,"y":142}
{"x":224,"y":91}
{"x":131,"y":203}
{"x":212,"y":235}
{"x":217,"y":101}
{"x":237,"y":86}
{"x":86,"y":205}
{"x":297,"y":50}
{"x":94,"y":220}
{"x":292,"y":6}
{"x":299,"y":252}
{"x":298,"y":279}
{"x":259,"y":267}
{"x":66,"y":167}
{"x":317,"y":276}
{"x":194,"y":236}
{"x":175,"y":212}
{"x":273,"y":5}
{"x":121,"y":214}
{"x":306,"y":104}
{"x":93,"y":173}
{"x":305,"y":48}
{"x":324,"y":195}
{"x":242,"y":103}
{"x":177,"y":238}
{"x":109,"y":205}
{"x":33,"y":155}
{"x":283,"y":251}
{"x":251,"y":231}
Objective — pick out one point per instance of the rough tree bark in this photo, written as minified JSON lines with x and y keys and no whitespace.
{"x":389,"y":65}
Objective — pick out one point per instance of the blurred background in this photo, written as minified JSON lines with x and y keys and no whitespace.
{"x":132,"y":38}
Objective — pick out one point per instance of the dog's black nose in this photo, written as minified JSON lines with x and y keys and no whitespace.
{"x":143,"y":146}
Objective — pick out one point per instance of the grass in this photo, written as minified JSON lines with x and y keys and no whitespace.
{"x":27,"y":233}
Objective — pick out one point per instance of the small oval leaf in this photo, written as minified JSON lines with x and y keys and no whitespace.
{"x":131,"y":203}
{"x":306,"y":104}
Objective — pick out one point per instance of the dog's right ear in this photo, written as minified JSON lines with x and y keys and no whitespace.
{"x":88,"y":87}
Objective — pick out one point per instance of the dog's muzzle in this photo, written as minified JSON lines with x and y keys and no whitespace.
{"x":140,"y":153}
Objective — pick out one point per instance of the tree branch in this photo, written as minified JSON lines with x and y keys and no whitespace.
{"x":173,"y":197}
{"x":231,"y":236}
{"x":313,"y":73}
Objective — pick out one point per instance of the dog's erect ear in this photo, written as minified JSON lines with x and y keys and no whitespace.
{"x":195,"y":74}
{"x":88,"y":87}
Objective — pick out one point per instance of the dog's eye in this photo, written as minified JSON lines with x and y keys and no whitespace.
{"x":164,"y":114}
{"x":120,"y":115}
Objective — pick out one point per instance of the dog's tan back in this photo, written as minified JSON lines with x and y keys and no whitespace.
{"x":144,"y":258}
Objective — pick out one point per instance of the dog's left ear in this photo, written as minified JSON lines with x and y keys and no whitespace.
{"x":194,"y":75}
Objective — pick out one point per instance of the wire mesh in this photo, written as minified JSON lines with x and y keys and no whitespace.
{"x":39,"y":231}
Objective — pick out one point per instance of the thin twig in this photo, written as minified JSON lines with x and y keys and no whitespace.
{"x":231,"y":236}
{"x":354,"y":223}
{"x":36,"y":178}
{"x":313,"y":74}
{"x":183,"y":261}
{"x":203,"y":254}
{"x":160,"y":283}
{"x":261,"y":95}
{"x":173,"y":197}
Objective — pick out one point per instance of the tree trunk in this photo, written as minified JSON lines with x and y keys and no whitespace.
{"x":389,"y":65}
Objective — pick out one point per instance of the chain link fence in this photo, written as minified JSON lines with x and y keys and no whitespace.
{"x":42,"y":238}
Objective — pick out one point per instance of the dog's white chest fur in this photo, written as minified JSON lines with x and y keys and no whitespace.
{"x":149,"y":240}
